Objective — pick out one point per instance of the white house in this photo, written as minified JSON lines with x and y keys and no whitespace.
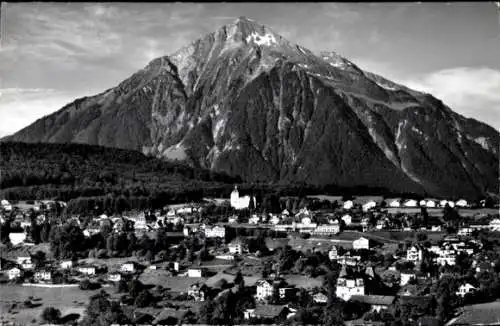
{"x":254,"y":219}
{"x":361,"y":243}
{"x":43,"y":275}
{"x":369,"y":205}
{"x":215,"y":232}
{"x":348,"y":204}
{"x":16,"y":238}
{"x":394,"y":202}
{"x":66,"y":264}
{"x":196,"y":272}
{"x":414,"y":254}
{"x":236,"y":247}
{"x":327,"y":229}
{"x":238,"y":202}
{"x":114,"y":277}
{"x":14,"y":273}
{"x":430,"y":203}
{"x":461,"y":203}
{"x":347,"y":287}
{"x":320,"y":298}
{"x":265,"y":289}
{"x":465,"y":231}
{"x":406,"y":277}
{"x":333,"y":254}
{"x":464,"y":289}
{"x":128,"y":267}
{"x":347,"y":219}
{"x":197,"y":292}
{"x":410,"y":203}
{"x":25,"y":262}
{"x":87,"y":270}
{"x":494,"y":224}
{"x":274,"y":220}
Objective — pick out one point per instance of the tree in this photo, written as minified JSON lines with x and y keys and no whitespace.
{"x":144,"y":299}
{"x":239,"y":280}
{"x":51,"y":315}
{"x":39,"y":258}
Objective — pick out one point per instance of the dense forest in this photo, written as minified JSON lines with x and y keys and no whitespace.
{"x":87,"y":176}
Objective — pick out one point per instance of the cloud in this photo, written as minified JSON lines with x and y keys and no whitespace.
{"x":472,"y":92}
{"x":20,"y":107}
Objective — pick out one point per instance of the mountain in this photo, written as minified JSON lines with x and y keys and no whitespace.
{"x":245,"y":101}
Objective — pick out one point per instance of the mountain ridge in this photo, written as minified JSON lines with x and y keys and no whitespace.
{"x":245,"y":101}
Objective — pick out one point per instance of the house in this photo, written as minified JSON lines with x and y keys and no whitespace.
{"x":376,"y":302}
{"x":348,"y":260}
{"x":265,"y":289}
{"x":87,"y":270}
{"x":66,"y":264}
{"x":414,"y":254}
{"x":17,"y":238}
{"x":274,"y":220}
{"x":254,"y":219}
{"x":465,"y":231}
{"x":348,"y":286}
{"x":238,"y":202}
{"x":369,"y":205}
{"x":430,"y":203}
{"x":114,"y":277}
{"x":393,"y":202}
{"x":380,"y":224}
{"x":233,"y":219}
{"x":320,"y":298}
{"x":327,"y":229}
{"x":236,"y":247}
{"x":197,"y":272}
{"x":494,"y":224}
{"x":406,"y":277}
{"x":333,"y":254}
{"x":348,"y":204}
{"x":25,"y":262}
{"x":361,"y":243}
{"x":198,"y":292}
{"x":14,"y":273}
{"x":347,"y":219}
{"x":461,"y":203}
{"x":215,"y":232}
{"x":285,"y":212}
{"x":268,"y":312}
{"x":447,"y":257}
{"x":43,"y":275}
{"x":128,"y":267}
{"x":410,"y":203}
{"x":464,"y":289}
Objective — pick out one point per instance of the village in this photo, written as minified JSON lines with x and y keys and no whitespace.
{"x":419,"y":261}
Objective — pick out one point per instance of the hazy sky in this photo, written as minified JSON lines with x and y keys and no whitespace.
{"x":51,"y":53}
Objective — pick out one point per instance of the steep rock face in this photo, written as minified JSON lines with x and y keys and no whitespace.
{"x":245,"y":101}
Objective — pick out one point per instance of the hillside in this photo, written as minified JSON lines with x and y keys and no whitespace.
{"x":247,"y":102}
{"x":69,"y":171}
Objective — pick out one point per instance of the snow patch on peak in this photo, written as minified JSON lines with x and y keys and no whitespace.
{"x":386,"y":86}
{"x":266,"y":39}
{"x":483,"y":142}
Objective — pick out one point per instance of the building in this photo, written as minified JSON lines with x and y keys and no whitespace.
{"x":17,"y":238}
{"x":446,"y":260}
{"x":414,"y":254}
{"x":66,"y":264}
{"x":196,"y":272}
{"x":465,"y":231}
{"x":369,"y":205}
{"x":236,"y":247}
{"x":406,"y":277}
{"x":349,"y":286}
{"x":464,"y":289}
{"x":377,"y":302}
{"x":361,"y":243}
{"x":320,"y":298}
{"x":114,"y":277}
{"x":238,"y":202}
{"x":265,"y":289}
{"x":348,"y":204}
{"x":254,"y":219}
{"x":461,"y":203}
{"x":128,"y":267}
{"x":393,"y":202}
{"x":327,"y":229}
{"x":333,"y":254}
{"x":43,"y":275}
{"x":347,"y":219}
{"x":215,"y":232}
{"x":87,"y":270}
{"x":494,"y":224}
{"x":197,"y":292}
{"x":14,"y":273}
{"x":410,"y":203}
{"x":348,"y":260}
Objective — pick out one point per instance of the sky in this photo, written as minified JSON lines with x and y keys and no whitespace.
{"x":52,"y":53}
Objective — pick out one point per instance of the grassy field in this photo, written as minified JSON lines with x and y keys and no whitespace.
{"x":68,"y":300}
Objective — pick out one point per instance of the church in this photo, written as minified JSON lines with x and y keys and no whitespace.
{"x":238,"y":202}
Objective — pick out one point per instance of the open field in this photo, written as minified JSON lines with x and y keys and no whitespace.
{"x":174,"y":283}
{"x":479,"y":314}
{"x":68,"y":300}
